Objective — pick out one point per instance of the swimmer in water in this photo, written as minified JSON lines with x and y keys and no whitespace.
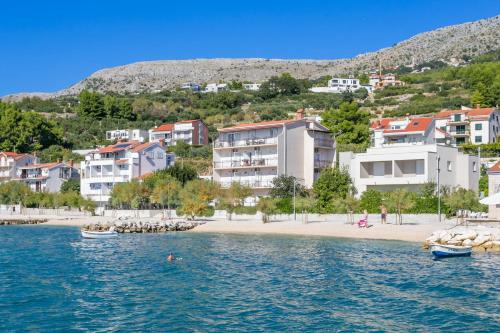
{"x":170,"y":257}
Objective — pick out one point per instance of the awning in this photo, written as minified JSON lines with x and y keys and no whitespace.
{"x":491,"y":200}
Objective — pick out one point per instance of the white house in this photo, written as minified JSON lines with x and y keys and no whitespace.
{"x":10,"y":162}
{"x":46,"y":177}
{"x":216,"y":87}
{"x":191,"y":87}
{"x":118,"y":163}
{"x":192,"y":132}
{"x":407,"y":153}
{"x":127,"y":134}
{"x":339,"y":85}
{"x":251,"y":86}
{"x":255,"y":154}
{"x":477,"y":126}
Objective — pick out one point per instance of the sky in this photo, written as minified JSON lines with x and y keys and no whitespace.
{"x":50,"y":45}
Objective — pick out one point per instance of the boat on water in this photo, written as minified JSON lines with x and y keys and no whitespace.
{"x":111,"y":233}
{"x":441,"y":251}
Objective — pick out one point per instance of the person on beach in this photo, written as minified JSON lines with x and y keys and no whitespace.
{"x":170,"y":257}
{"x":364,"y":220}
{"x":383,"y":214}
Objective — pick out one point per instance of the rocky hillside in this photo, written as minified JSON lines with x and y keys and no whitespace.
{"x":451,"y":44}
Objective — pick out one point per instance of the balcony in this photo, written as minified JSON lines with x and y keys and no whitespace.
{"x":463,"y":133}
{"x":246,"y":163}
{"x":323,"y":142}
{"x":320,"y":164}
{"x":249,"y":183}
{"x":245,"y":143}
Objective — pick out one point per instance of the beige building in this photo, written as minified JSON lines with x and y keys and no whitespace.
{"x":255,"y":154}
{"x":10,"y":163}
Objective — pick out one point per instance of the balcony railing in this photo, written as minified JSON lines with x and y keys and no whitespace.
{"x":321,"y":142}
{"x":322,"y":163}
{"x":245,"y":143}
{"x":460,"y":133}
{"x":249,"y":183}
{"x":255,"y":162}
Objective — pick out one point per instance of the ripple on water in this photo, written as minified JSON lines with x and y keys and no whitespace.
{"x":51,"y":279}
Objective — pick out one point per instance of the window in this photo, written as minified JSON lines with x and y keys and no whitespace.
{"x":159,"y":155}
{"x":448,"y":165}
{"x":479,"y":127}
{"x":456,"y":117}
{"x":474,"y":166}
{"x":478,"y":139}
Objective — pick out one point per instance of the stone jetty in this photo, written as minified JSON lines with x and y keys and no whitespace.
{"x":21,"y":221}
{"x":143,"y":225}
{"x":481,"y":238}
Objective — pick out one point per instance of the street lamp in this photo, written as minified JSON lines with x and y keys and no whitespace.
{"x":438,"y":158}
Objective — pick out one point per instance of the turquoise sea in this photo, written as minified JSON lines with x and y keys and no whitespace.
{"x":51,"y":280}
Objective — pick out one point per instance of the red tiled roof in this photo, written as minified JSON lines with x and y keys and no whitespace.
{"x":42,"y":165}
{"x":415,"y":125}
{"x":118,"y":147}
{"x":164,"y":128}
{"x":495,"y":168}
{"x":263,"y":124}
{"x":14,"y":155}
{"x":478,"y":112}
{"x":144,"y":146}
{"x":381,"y":123}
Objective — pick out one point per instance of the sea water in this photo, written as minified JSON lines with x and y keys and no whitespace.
{"x":52,"y":280}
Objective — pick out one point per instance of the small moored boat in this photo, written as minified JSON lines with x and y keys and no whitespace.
{"x":111,"y":233}
{"x":441,"y":251}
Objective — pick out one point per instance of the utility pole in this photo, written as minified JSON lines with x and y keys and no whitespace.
{"x":294,"y":212}
{"x":438,"y":158}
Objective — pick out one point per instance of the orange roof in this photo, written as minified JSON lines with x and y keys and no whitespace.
{"x":144,"y":146}
{"x":495,"y":168}
{"x":263,"y":124}
{"x":415,"y":125}
{"x":478,"y":112}
{"x":14,"y":155}
{"x":42,"y":165}
{"x":118,"y":147}
{"x":164,"y":128}
{"x":381,"y":123}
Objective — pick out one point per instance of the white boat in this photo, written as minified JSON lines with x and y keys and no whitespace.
{"x":441,"y":251}
{"x":111,"y":233}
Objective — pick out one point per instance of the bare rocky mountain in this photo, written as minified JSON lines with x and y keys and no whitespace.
{"x":450,"y":44}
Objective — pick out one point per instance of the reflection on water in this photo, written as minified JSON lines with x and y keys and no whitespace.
{"x":51,"y":278}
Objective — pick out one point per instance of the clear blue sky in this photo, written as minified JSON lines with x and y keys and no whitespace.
{"x":49,"y":45}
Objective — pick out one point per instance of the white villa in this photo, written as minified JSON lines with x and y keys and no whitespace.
{"x":193,"y":132}
{"x":127,"y":134}
{"x":251,"y":86}
{"x":255,"y":154}
{"x":118,"y":163}
{"x":408,"y":153}
{"x":479,"y":125}
{"x":339,"y":85}
{"x":10,"y":162}
{"x":47,"y":177}
{"x":216,"y":87}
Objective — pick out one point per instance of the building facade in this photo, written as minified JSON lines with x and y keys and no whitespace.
{"x":339,"y":85}
{"x":118,"y":163}
{"x":255,"y":154}
{"x":251,"y":86}
{"x":192,"y":132}
{"x":10,"y":162}
{"x":46,"y":177}
{"x":216,"y":87}
{"x":191,"y":87}
{"x":477,"y":126}
{"x":380,"y":81}
{"x":127,"y":134}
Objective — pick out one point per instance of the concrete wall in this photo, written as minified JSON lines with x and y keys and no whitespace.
{"x":146,"y":213}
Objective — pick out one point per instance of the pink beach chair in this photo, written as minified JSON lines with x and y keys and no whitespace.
{"x":363,"y":223}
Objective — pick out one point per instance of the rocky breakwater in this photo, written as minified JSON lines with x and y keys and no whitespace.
{"x":143,"y":226}
{"x":21,"y":221}
{"x":481,"y":238}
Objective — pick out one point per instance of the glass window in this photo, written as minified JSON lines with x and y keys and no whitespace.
{"x":456,"y":117}
{"x":448,"y":165}
{"x":474,"y":166}
{"x":479,"y":127}
{"x":478,"y":139}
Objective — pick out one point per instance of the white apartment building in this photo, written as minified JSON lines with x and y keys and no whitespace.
{"x":46,"y":177}
{"x":406,"y":153}
{"x":255,"y":154}
{"x":251,"y":86}
{"x":10,"y":162}
{"x":477,"y":126}
{"x":127,"y":134}
{"x":118,"y":163}
{"x":339,"y":85}
{"x":193,"y":132}
{"x":216,"y":87}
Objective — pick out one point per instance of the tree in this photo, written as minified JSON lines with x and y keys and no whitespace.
{"x":285,"y":85}
{"x":399,"y":201}
{"x":305,"y":205}
{"x":71,"y":185}
{"x":234,"y":197}
{"x":167,"y":192}
{"x":363,"y":78}
{"x":371,"y":200}
{"x":267,"y":207}
{"x":331,"y":183}
{"x":57,"y":152}
{"x":91,"y":105}
{"x":132,"y":194}
{"x":282,"y":187}
{"x":347,"y":205}
{"x":462,"y":199}
{"x":351,"y":124}
{"x":182,"y":172}
{"x":13,"y":193}
{"x":477,"y":98}
{"x":196,"y":196}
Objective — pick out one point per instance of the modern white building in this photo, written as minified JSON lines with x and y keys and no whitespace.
{"x":494,"y":189}
{"x":118,"y":163}
{"x":10,"y":162}
{"x":127,"y":134}
{"x":339,"y":85}
{"x":477,"y":126}
{"x":251,"y":86}
{"x":46,"y":177}
{"x":255,"y":154}
{"x":406,"y":153}
{"x":191,"y":87}
{"x":216,"y":87}
{"x":192,"y":132}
